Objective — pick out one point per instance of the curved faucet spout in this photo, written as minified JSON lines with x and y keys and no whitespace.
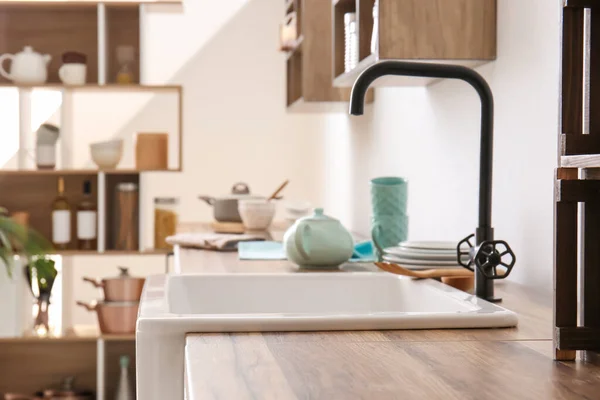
{"x":427,"y":70}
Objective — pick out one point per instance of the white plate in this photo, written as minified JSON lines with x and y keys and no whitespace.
{"x":420,"y":264}
{"x":429,"y":245}
{"x":421,"y":255}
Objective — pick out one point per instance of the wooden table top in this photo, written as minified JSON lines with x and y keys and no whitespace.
{"x":515,"y":363}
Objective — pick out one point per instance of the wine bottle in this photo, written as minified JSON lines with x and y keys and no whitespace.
{"x":61,"y":218}
{"x":86,"y":219}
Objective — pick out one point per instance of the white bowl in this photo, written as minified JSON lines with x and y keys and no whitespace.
{"x":257,"y":215}
{"x":297,"y":209}
{"x":107,"y":155}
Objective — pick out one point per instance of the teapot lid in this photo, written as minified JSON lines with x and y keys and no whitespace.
{"x":318,"y":215}
{"x":28,"y":49}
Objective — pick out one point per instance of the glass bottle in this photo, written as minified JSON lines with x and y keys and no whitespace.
{"x":61,"y":218}
{"x":86,"y":219}
{"x":125,"y":58}
{"x":124,"y":388}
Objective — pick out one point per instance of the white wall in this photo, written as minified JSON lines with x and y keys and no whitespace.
{"x":431,"y":136}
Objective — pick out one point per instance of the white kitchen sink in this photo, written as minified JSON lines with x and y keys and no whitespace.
{"x":180,"y":304}
{"x":326,"y":301}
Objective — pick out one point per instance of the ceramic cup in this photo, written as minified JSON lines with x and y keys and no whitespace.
{"x":72,"y":74}
{"x":389,"y":224}
{"x":389,"y":196}
{"x":388,"y":231}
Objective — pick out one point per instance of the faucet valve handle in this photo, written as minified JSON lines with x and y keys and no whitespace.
{"x":494,"y":258}
{"x":465,"y":253}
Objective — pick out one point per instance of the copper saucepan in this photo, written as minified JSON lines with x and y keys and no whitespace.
{"x":114,"y":317}
{"x":120,"y":288}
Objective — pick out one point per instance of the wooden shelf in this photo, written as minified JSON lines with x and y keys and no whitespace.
{"x":149,"y":252}
{"x":52,"y":28}
{"x":75,"y":172}
{"x":296,"y":48}
{"x":95,"y":87}
{"x":79,"y":333}
{"x":581,"y":161}
{"x":85,"y":2}
{"x":581,"y":3}
{"x":309,"y":77}
{"x":416,"y":30}
{"x":343,"y":2}
{"x":347,"y":79}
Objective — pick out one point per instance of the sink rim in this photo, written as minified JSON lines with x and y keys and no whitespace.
{"x":154,"y":309}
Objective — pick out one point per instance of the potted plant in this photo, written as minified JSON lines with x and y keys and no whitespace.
{"x":19,"y":245}
{"x":41,"y":274}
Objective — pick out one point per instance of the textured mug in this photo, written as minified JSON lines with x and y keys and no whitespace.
{"x":389,"y":224}
{"x":389,"y":196}
{"x":388,"y":231}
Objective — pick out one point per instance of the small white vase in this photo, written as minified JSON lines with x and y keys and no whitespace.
{"x":16,"y":301}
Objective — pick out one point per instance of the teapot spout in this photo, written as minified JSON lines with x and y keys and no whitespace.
{"x":47,"y":58}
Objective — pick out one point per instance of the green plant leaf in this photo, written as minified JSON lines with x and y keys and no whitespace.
{"x":7,"y":258}
{"x":28,"y":241}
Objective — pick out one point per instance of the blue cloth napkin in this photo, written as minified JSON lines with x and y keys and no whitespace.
{"x":261,"y":251}
{"x":363,"y":252}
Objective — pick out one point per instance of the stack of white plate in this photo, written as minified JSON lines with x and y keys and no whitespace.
{"x":423,"y":254}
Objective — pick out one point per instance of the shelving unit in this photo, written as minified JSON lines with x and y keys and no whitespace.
{"x":460,"y":32}
{"x":577,"y":187}
{"x":95,"y":28}
{"x":32,"y":363}
{"x":309,"y":66}
{"x":70,"y":172}
{"x":59,"y":3}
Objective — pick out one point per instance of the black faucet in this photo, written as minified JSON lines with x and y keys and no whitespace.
{"x":487,"y":255}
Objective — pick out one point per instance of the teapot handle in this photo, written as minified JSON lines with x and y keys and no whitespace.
{"x":301,"y":240}
{"x":3,"y":72}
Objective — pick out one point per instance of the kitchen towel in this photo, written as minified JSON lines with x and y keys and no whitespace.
{"x":261,"y":251}
{"x":363,"y":252}
{"x":268,"y":250}
{"x":211,"y":241}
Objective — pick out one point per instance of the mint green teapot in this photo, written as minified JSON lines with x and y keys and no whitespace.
{"x":318,"y":242}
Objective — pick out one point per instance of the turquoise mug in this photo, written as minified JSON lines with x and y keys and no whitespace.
{"x":388,"y":231}
{"x":389,"y":196}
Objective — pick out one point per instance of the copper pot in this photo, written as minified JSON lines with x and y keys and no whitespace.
{"x":113,"y":316}
{"x":122,"y":288}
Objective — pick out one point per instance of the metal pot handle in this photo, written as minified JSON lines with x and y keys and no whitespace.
{"x":94,"y":282}
{"x":240,"y":188}
{"x":209,"y":200}
{"x":87,"y":306}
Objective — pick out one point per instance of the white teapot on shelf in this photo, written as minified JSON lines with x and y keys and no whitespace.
{"x":27,"y":67}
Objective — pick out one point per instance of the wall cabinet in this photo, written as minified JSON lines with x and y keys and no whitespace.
{"x":310,"y":62}
{"x":461,"y":32}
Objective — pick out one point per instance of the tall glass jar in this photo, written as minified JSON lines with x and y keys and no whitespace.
{"x":126,"y":217}
{"x":166,"y":216}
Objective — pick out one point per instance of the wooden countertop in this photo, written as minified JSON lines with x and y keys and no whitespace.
{"x":476,"y":364}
